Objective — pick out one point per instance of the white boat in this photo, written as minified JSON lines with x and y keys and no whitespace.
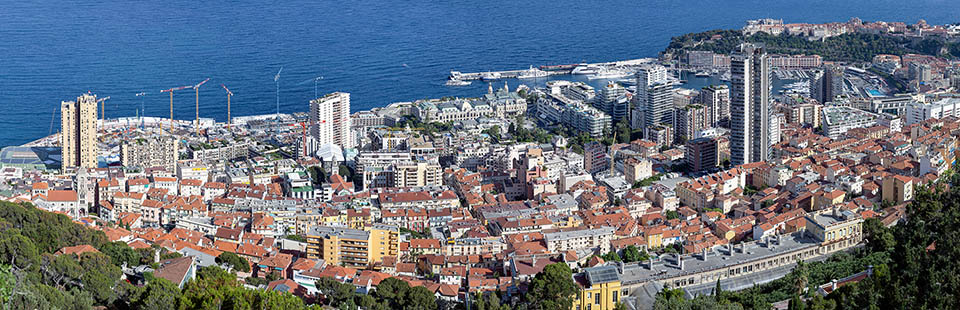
{"x":455,"y":82}
{"x":489,"y":76}
{"x":532,"y":73}
{"x":609,"y":74}
{"x":725,"y":76}
{"x":586,"y":69}
{"x":702,"y":74}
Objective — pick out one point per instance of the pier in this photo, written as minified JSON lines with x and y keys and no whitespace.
{"x":549,"y":69}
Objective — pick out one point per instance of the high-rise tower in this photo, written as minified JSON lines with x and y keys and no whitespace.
{"x":78,"y":132}
{"x":330,"y":120}
{"x":749,"y":105}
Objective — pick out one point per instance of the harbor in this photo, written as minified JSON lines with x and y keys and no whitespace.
{"x":618,"y":69}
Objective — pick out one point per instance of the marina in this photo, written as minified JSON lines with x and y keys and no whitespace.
{"x":602,"y":70}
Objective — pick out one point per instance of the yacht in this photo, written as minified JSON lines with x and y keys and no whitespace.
{"x":489,"y":76}
{"x":725,"y":76}
{"x":702,"y":74}
{"x":456,"y":82}
{"x":586,"y":69}
{"x":610,"y":74}
{"x":532,"y":73}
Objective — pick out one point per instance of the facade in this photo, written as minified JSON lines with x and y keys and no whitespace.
{"x":897,"y":189}
{"x":597,"y":240}
{"x":749,"y":105}
{"x":595,"y":157}
{"x":575,"y":114}
{"x":796,"y":62}
{"x":420,"y":173}
{"x":78,"y":132}
{"x":637,"y":169}
{"x":804,"y":114}
{"x":918,"y":112}
{"x":330,"y":120}
{"x":828,"y":84}
{"x":613,"y":101}
{"x":716,"y":99}
{"x":701,"y":154}
{"x":833,"y":226}
{"x":353,"y":247}
{"x":654,"y":97}
{"x":691,"y":119}
{"x":150,"y":152}
{"x":599,"y":288}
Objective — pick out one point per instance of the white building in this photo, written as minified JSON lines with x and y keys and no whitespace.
{"x":839,"y":119}
{"x":918,"y":112}
{"x":330,"y":120}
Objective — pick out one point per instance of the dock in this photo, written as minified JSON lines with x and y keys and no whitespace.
{"x":549,"y":69}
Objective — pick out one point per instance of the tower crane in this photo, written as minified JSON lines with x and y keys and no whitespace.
{"x":229,"y":94}
{"x":103,"y":108}
{"x":196,"y":88}
{"x":171,"y":90}
{"x":304,"y":126}
{"x":140,"y":113}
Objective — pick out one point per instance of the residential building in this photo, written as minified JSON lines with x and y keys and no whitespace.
{"x":837,"y":120}
{"x":150,"y":152}
{"x":339,"y":246}
{"x":597,"y":240}
{"x":78,"y":132}
{"x":716,"y":99}
{"x":897,"y":189}
{"x":613,"y":101}
{"x":330,"y":120}
{"x":749,"y":105}
{"x":690,"y":119}
{"x":654,"y":97}
{"x":834,"y":226}
{"x":828,"y":84}
{"x":595,"y":157}
{"x":701,"y":154}
{"x":917,"y":112}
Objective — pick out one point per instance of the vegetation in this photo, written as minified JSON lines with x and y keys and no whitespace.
{"x":553,"y":288}
{"x":648,"y":181}
{"x":234,"y":261}
{"x":846,"y":47}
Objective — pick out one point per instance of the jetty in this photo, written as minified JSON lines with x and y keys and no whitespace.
{"x":550,"y":69}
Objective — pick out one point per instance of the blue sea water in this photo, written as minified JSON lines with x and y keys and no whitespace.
{"x":379,"y":51}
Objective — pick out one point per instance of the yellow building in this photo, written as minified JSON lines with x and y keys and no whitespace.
{"x":353,"y":247}
{"x":833,"y":226}
{"x":384,"y":241}
{"x":599,"y":288}
{"x":654,"y":237}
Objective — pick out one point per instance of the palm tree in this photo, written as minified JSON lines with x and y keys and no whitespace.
{"x":800,"y":280}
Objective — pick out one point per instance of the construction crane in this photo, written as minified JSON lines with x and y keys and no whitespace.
{"x":304,"y":125}
{"x":316,"y":81}
{"x":197,"y":89}
{"x":103,"y":108}
{"x":276,"y":78}
{"x":140,"y":113}
{"x":171,"y":90}
{"x":229,"y":94}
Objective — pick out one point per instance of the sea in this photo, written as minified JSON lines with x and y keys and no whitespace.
{"x":379,"y":51}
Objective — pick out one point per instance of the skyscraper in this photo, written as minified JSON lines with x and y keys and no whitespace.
{"x":749,"y":105}
{"x":330,"y":120}
{"x":828,"y":84}
{"x":654,"y":97}
{"x":614,"y":102}
{"x":690,"y":120}
{"x":716,"y":99}
{"x":78,"y":131}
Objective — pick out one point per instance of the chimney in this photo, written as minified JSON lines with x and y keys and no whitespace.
{"x":680,"y":261}
{"x":650,"y":259}
{"x":869,"y":270}
{"x":729,"y":249}
{"x":833,"y":285}
{"x":703,"y":254}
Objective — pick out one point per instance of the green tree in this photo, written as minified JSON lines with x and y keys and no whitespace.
{"x":611,"y":256}
{"x":7,"y":282}
{"x":159,"y":294}
{"x":552,"y":288}
{"x":335,"y":292}
{"x":234,"y":261}
{"x":419,"y":298}
{"x":100,"y":276}
{"x":632,"y":254}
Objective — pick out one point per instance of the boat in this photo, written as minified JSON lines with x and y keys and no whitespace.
{"x":702,"y":74}
{"x":532,"y":73}
{"x":610,"y":74}
{"x":725,"y":76}
{"x":489,"y":76}
{"x":586,"y":69}
{"x":456,"y":82}
{"x":627,"y":81}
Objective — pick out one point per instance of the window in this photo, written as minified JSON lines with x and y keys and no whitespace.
{"x":597,"y":298}
{"x":615,"y":296}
